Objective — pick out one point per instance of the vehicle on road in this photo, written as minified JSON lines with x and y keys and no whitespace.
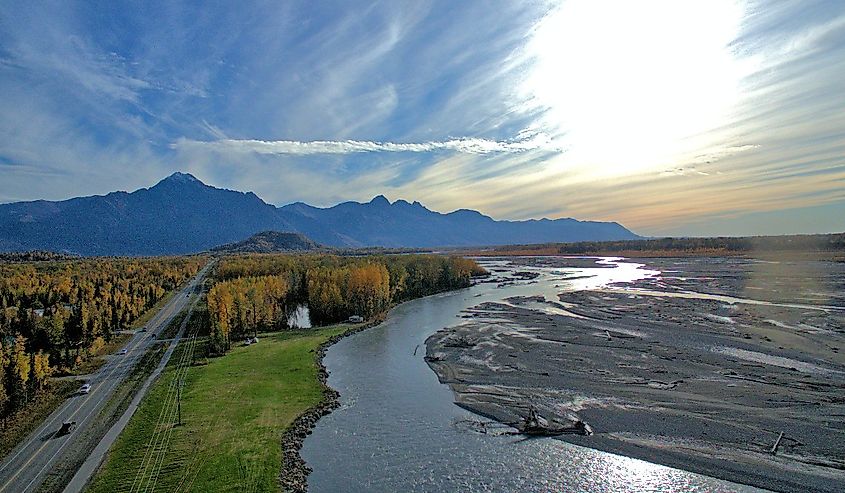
{"x":46,"y":459}
{"x":153,"y":335}
{"x":66,"y":428}
{"x":122,"y":351}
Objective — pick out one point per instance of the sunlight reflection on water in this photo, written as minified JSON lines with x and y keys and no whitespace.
{"x":396,"y":429}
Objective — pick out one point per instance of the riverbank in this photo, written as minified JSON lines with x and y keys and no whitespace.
{"x":705,"y":384}
{"x":232,"y":418}
{"x":294,"y":473}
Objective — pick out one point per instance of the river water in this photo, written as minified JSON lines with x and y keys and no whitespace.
{"x":398,"y":428}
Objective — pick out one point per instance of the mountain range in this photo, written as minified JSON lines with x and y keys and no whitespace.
{"x":180,"y":214}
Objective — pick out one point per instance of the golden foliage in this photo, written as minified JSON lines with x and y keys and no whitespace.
{"x":60,"y":311}
{"x":248,"y":296}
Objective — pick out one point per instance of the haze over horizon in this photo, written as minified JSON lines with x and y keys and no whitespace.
{"x":671,"y":118}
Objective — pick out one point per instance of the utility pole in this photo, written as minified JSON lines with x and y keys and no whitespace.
{"x":179,"y":400}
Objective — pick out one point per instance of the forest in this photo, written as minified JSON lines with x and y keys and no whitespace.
{"x":256,"y":292}
{"x":54,"y":315}
{"x":716,"y":246}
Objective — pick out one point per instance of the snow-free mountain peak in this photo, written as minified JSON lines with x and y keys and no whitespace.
{"x":380,"y":200}
{"x":180,"y":177}
{"x":181,"y":214}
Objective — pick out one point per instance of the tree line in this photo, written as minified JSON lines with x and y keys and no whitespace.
{"x":257,"y":292}
{"x":748,"y":244}
{"x":243,"y":305}
{"x":54,"y":315}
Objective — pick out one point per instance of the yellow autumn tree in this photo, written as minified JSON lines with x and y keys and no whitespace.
{"x":41,"y":369}
{"x":21,"y":365}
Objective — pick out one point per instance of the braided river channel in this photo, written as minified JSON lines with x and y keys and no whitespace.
{"x":398,"y":428}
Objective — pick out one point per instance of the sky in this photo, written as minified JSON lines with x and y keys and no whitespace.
{"x":710,"y":117}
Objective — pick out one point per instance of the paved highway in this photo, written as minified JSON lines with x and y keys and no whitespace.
{"x":25,"y":468}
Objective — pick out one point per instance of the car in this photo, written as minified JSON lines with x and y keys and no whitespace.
{"x":86,"y":388}
{"x":66,"y":428}
{"x":122,"y":351}
{"x":143,"y":329}
{"x":153,"y":335}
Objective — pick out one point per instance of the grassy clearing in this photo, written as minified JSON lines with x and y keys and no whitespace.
{"x":234,"y":410}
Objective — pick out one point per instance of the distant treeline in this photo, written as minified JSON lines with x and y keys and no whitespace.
{"x":362,"y":251}
{"x":257,"y":292}
{"x":35,"y":256}
{"x":53,"y":315}
{"x":739,"y":245}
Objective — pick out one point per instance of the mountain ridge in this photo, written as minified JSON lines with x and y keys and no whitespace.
{"x":181,"y":214}
{"x":269,"y":242}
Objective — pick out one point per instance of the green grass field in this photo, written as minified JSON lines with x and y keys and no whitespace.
{"x":234,"y":410}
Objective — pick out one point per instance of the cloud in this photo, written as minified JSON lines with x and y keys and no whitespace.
{"x":683,"y":172}
{"x":465,"y":145}
{"x":403,"y":99}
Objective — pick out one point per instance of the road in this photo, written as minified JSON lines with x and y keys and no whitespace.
{"x":25,"y":468}
{"x":92,"y":463}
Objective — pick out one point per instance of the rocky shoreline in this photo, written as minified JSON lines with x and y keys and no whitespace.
{"x":294,"y":473}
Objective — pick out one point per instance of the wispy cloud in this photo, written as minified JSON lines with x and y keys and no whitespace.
{"x":521,"y":110}
{"x":298,"y":148}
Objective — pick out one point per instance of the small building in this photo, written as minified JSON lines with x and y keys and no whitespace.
{"x":39,"y":312}
{"x":356,"y":319}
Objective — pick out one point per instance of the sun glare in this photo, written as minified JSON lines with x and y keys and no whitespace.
{"x":632,"y":86}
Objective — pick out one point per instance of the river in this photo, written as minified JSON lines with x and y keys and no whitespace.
{"x":398,"y":428}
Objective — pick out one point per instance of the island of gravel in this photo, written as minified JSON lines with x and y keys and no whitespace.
{"x":749,"y":392}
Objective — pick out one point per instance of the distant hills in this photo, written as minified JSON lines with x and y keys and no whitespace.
{"x":269,"y":242}
{"x":180,"y":214}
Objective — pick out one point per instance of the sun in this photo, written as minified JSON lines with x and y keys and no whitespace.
{"x":633,"y":86}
